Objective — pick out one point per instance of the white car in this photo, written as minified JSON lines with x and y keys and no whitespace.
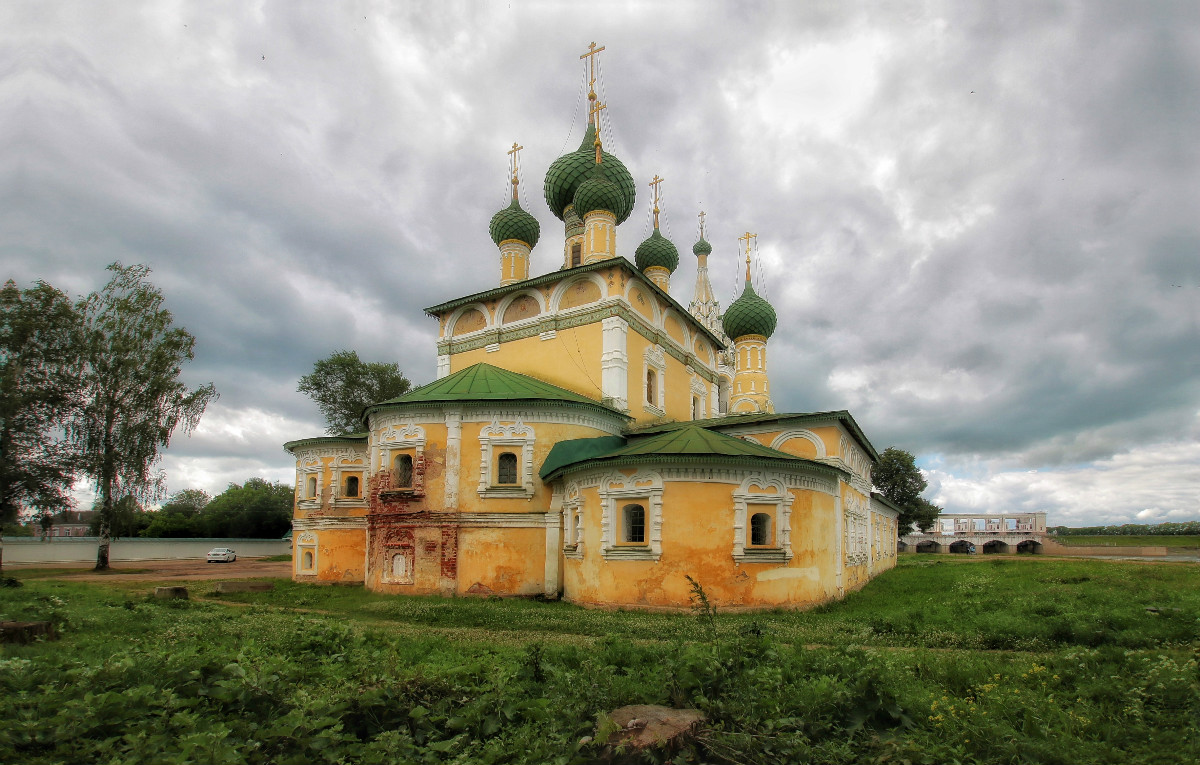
{"x":221,"y":555}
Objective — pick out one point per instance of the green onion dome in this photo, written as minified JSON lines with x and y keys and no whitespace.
{"x":701,"y":248}
{"x":514,"y":223}
{"x":749,"y":315}
{"x":599,"y":193}
{"x":570,"y":170}
{"x":657,"y":250}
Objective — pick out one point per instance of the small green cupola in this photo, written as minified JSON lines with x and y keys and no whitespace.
{"x":749,"y":314}
{"x":597,"y":192}
{"x":701,"y":247}
{"x":656,"y":250}
{"x":514,"y":223}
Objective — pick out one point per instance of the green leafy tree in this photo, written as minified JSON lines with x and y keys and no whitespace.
{"x":257,"y":509}
{"x":896,"y":477}
{"x":127,"y":519}
{"x":343,"y":385}
{"x":179,"y":516}
{"x":133,"y":399}
{"x":40,"y":334}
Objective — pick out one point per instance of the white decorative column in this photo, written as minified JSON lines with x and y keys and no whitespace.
{"x":453,"y":458}
{"x":840,"y":550}
{"x":554,"y":542}
{"x":443,"y":365}
{"x":614,"y":362}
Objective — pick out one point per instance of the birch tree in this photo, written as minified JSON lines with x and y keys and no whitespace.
{"x":133,"y":397}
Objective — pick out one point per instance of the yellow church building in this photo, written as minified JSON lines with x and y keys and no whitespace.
{"x":589,"y":438}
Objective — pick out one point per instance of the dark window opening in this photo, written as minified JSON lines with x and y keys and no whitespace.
{"x":760,"y":529}
{"x":404,"y":471}
{"x":312,"y":487}
{"x":651,"y":388}
{"x":635,"y":523}
{"x":352,"y":486}
{"x":506,"y":468}
{"x":576,"y":255}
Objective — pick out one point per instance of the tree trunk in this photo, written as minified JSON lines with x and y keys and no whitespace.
{"x":102,"y":549}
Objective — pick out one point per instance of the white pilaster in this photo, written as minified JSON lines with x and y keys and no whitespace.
{"x":614,"y":362}
{"x":443,"y":367}
{"x":453,"y":458}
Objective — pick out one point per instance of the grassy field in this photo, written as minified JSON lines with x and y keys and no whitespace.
{"x":963,"y":660}
{"x":1130,"y":540}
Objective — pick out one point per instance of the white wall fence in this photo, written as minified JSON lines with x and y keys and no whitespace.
{"x":83,"y":549}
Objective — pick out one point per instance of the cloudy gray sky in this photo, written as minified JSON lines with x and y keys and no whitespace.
{"x":977,"y":221}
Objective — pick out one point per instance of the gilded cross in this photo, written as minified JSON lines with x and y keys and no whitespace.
{"x":747,"y":237}
{"x":597,"y":107}
{"x":591,"y":59}
{"x":514,"y":165}
{"x":701,"y":216}
{"x":654,"y":185}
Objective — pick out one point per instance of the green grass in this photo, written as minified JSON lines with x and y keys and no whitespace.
{"x":898,"y":671}
{"x":278,"y":558}
{"x":1123,"y":540}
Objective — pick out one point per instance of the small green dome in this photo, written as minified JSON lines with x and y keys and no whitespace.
{"x":749,"y":315}
{"x":701,"y":248}
{"x":570,"y":170}
{"x":514,"y":223}
{"x":657,"y":250}
{"x":598,"y":193}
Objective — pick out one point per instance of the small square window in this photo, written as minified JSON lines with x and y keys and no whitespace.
{"x":761,"y":530}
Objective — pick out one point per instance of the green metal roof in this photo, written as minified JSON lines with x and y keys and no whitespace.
{"x":566,"y":453}
{"x":701,"y":247}
{"x":783,"y":418}
{"x":484,"y":382}
{"x":537,"y":281}
{"x":597,"y":192}
{"x":344,"y":438}
{"x":689,"y":443}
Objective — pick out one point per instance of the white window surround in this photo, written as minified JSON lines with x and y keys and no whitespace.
{"x":399,"y":564}
{"x":495,"y":438}
{"x":306,"y":543}
{"x":760,"y":490}
{"x":655,"y":359}
{"x":402,"y":438}
{"x":855,"y":525}
{"x":616,"y":491}
{"x":572,"y":509}
{"x":699,"y":391}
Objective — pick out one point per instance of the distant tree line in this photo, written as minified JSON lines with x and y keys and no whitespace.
{"x":1129,"y":529}
{"x":256,"y":509}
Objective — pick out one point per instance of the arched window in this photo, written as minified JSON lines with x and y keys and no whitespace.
{"x":633,"y":524}
{"x":576,"y":255}
{"x":312,"y":487}
{"x":760,"y":530}
{"x":695,"y":407}
{"x":506,"y":468}
{"x":722,"y":396}
{"x":404,"y":471}
{"x":306,"y":561}
{"x":651,"y":387}
{"x":352,"y":486}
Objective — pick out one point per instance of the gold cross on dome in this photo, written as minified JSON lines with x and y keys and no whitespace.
{"x":591,"y":59}
{"x":747,"y":237}
{"x":701,"y":216}
{"x":654,"y":185}
{"x":514,"y":165}
{"x":597,"y":107}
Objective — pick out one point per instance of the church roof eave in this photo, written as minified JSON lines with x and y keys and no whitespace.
{"x":496,"y":292}
{"x":345,"y":438}
{"x":635,"y":460}
{"x":733,"y":420}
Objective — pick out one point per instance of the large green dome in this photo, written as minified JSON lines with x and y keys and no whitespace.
{"x":749,"y":315}
{"x":598,"y":193}
{"x":701,"y":247}
{"x":570,"y":170}
{"x":657,"y":250}
{"x":514,"y":223}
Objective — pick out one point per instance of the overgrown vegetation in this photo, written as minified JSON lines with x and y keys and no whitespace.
{"x":1100,"y":666}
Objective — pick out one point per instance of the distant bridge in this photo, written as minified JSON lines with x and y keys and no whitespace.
{"x":980,"y":533}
